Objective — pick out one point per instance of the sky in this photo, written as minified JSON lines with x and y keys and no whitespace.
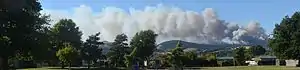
{"x":265,"y":12}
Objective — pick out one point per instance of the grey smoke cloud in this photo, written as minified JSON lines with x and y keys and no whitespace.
{"x":170,"y":23}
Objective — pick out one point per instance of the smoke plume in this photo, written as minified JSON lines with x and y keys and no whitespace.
{"x":170,"y":23}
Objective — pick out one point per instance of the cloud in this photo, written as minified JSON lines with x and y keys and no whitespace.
{"x":170,"y":23}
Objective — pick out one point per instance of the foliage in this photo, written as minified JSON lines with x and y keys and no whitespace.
{"x":209,"y":59}
{"x":191,"y":55}
{"x":286,"y":37}
{"x":269,"y":52}
{"x":164,"y":60}
{"x":131,"y":58}
{"x":257,"y":50}
{"x":176,"y":56}
{"x":144,"y":43}
{"x":67,"y":54}
{"x":91,"y":49}
{"x":249,"y":54}
{"x":189,"y":58}
{"x":210,"y":56}
{"x":239,"y":55}
{"x":118,"y":50}
{"x":65,"y":30}
{"x":20,"y":26}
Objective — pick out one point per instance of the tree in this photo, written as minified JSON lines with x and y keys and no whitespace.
{"x":118,"y":50}
{"x":20,"y":22}
{"x":286,"y":37}
{"x":66,"y":31}
{"x":176,"y":57}
{"x":191,"y":55}
{"x":131,"y":59}
{"x":164,"y":60}
{"x":257,"y":50}
{"x":144,"y":42}
{"x":66,"y":54}
{"x":249,"y":54}
{"x":189,"y":58}
{"x":91,"y":49}
{"x":239,"y":55}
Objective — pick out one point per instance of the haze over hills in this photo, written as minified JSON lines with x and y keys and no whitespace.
{"x":172,"y":44}
{"x":168,"y":45}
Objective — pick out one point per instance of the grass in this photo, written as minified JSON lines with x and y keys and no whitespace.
{"x":251,"y":68}
{"x":72,"y":68}
{"x":190,"y":68}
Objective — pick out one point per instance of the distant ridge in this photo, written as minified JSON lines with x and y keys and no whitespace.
{"x":209,"y":47}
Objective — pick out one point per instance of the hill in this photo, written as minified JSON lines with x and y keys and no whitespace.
{"x":204,"y":47}
{"x":167,"y":45}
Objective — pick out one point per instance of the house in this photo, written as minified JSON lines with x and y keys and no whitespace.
{"x":251,"y":63}
{"x":266,"y":60}
{"x":226,"y":61}
{"x":225,"y":58}
{"x":291,"y":62}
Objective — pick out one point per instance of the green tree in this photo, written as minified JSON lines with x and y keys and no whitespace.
{"x":257,"y":50}
{"x":249,"y":54}
{"x":131,"y":59}
{"x":239,"y":55}
{"x":118,"y":50}
{"x":144,"y":42}
{"x":164,"y":60}
{"x":176,"y":57}
{"x":286,"y":37}
{"x":269,"y":52}
{"x":191,"y":55}
{"x":91,"y":49}
{"x":20,"y":22}
{"x":66,"y":31}
{"x":66,"y":54}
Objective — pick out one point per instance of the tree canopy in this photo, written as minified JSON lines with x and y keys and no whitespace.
{"x":145,"y":43}
{"x":257,"y":50}
{"x":21,"y":23}
{"x":191,"y":55}
{"x":65,"y":30}
{"x":286,"y":37}
{"x":91,"y":49}
{"x":176,"y":56}
{"x":239,"y":55}
{"x":67,"y":54}
{"x":118,"y":50}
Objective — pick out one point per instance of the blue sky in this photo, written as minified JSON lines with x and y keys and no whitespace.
{"x":266,"y":12}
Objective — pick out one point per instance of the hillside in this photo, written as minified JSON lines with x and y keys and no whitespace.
{"x":209,"y":47}
{"x":165,"y":46}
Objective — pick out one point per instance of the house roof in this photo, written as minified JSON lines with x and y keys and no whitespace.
{"x":267,"y":56}
{"x":225,"y":58}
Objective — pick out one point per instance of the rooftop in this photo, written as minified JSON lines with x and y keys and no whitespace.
{"x":225,"y":58}
{"x":267,"y":56}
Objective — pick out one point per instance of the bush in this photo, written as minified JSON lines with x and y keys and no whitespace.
{"x":282,"y":62}
{"x":192,"y":63}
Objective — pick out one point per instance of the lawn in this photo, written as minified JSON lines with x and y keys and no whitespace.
{"x":190,"y":68}
{"x":251,"y":68}
{"x":73,"y":68}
